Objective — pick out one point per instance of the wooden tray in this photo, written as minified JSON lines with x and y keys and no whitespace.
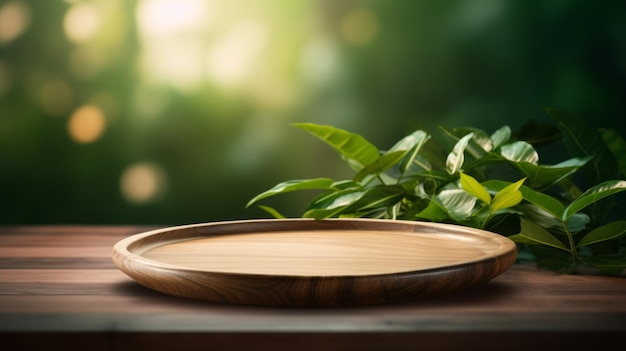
{"x":304,"y":262}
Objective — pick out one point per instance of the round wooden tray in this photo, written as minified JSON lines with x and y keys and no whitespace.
{"x":305,"y":262}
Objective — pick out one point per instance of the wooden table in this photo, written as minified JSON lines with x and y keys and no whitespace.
{"x":59,"y":288}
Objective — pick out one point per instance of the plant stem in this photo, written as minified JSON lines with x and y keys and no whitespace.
{"x":572,"y":246}
{"x":381,"y":179}
{"x":484,"y":224}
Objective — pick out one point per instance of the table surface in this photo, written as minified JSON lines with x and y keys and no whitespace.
{"x":59,"y":282}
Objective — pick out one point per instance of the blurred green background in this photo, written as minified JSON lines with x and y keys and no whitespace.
{"x":178,"y":111}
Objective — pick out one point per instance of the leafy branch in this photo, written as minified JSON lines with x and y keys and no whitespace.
{"x":538,"y":206}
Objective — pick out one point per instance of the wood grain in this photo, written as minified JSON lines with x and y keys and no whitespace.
{"x":301,"y":262}
{"x":88,"y":303}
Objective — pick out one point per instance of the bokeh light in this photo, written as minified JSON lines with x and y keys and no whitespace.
{"x":158,"y":18}
{"x":14,"y":20}
{"x":81,"y":22}
{"x":231,"y":58}
{"x":86,"y":124}
{"x":142,"y":182}
{"x":171,"y":35}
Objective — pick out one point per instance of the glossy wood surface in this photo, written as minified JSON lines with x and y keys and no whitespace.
{"x":301,"y":262}
{"x":59,"y":289}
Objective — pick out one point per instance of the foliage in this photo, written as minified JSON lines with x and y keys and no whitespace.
{"x":492,"y":182}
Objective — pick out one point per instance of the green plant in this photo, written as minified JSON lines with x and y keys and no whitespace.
{"x":493,"y":182}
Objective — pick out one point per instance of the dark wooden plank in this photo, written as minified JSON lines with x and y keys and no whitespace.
{"x":44,"y":289}
{"x":217,"y":320}
{"x":69,"y":236}
{"x":61,"y":247}
{"x":511,"y":291}
{"x":60,"y":281}
{"x":305,"y":341}
{"x":79,"y":230}
{"x":58,"y":251}
{"x":44,"y":263}
{"x":504,"y":295}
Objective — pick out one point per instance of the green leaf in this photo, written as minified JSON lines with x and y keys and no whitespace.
{"x":594,"y":194}
{"x":434,"y":212}
{"x":533,"y":234}
{"x":508,"y":197}
{"x":543,"y":176}
{"x":355,"y":215}
{"x":412,"y":144}
{"x":478,"y":146}
{"x":486,"y":161}
{"x":337,"y":199}
{"x":334,"y":204}
{"x":472,"y":186}
{"x":323,"y":213}
{"x":584,"y":141}
{"x":541,"y":217}
{"x":612,"y":264}
{"x":606,"y":232}
{"x":520,"y":151}
{"x":513,"y":187}
{"x":352,"y":204}
{"x":538,"y":133}
{"x":345,"y":184}
{"x":377,"y":197}
{"x":616,"y":144}
{"x":506,"y":200}
{"x":578,"y":222}
{"x":552,"y":223}
{"x":273,"y":212}
{"x":353,"y":148}
{"x":344,"y":187}
{"x":543,"y":201}
{"x":416,"y":138}
{"x":455,"y":159}
{"x":381,"y":164}
{"x":293,"y":185}
{"x":434,"y":153}
{"x":419,"y":161}
{"x":457,"y":203}
{"x":500,"y":136}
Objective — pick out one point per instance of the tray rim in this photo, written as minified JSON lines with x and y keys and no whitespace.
{"x":315,"y":290}
{"x":122,"y":250}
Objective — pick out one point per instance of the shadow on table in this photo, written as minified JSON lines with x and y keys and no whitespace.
{"x":489,"y":293}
